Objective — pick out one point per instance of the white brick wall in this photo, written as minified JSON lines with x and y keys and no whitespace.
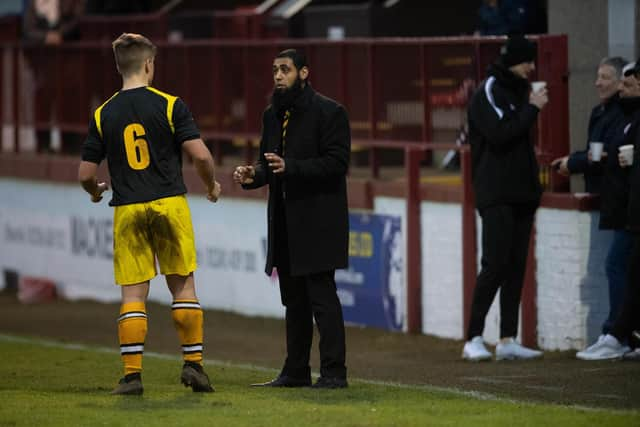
{"x":441,"y":234}
{"x":572,"y":287}
{"x":572,"y":299}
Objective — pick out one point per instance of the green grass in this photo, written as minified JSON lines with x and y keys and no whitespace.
{"x":54,"y":385}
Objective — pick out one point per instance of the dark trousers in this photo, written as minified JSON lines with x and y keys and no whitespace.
{"x":305,"y":298}
{"x":616,"y":267}
{"x":506,"y":230}
{"x":628,"y":317}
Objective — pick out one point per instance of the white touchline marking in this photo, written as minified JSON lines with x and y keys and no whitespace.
{"x":419,"y":387}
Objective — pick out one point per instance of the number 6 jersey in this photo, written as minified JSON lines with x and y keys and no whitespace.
{"x":140,"y":132}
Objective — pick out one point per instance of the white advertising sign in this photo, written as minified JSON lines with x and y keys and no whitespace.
{"x":53,"y":231}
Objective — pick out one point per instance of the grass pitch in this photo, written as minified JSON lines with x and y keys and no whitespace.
{"x":54,"y":384}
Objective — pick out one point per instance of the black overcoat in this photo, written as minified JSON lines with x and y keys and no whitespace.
{"x":317,"y":151}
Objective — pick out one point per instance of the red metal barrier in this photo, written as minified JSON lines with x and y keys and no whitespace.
{"x":406,"y":90}
{"x":107,"y":28}
{"x":408,"y":94}
{"x":413,"y":156}
{"x":469,"y":238}
{"x":9,"y":28}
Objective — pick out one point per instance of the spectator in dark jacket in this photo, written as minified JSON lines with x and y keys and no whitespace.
{"x":507,"y":189}
{"x":612,"y":345}
{"x":613,"y":207}
{"x":304,"y":158}
{"x":602,"y":124}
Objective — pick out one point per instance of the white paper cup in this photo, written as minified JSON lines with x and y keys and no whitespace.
{"x":538,"y":86}
{"x":627,"y":152}
{"x":596,"y":150}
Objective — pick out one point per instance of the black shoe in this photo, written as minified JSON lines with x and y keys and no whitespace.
{"x":130,"y":384}
{"x":285,"y":381}
{"x":194,"y":376}
{"x":331,"y":382}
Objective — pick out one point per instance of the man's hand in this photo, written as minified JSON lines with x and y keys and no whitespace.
{"x":603,"y":156}
{"x":213,"y":192}
{"x":539,"y":98}
{"x":560,"y":164}
{"x":53,"y":38}
{"x":100,"y":188}
{"x":244,"y":174}
{"x":622,"y":161}
{"x":276,"y":163}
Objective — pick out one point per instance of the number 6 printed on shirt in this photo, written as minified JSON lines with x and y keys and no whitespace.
{"x":136,"y":147}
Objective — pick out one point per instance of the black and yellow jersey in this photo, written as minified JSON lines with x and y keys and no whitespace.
{"x":140,"y":132}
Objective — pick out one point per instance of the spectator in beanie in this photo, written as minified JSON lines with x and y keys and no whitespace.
{"x":507,"y":190}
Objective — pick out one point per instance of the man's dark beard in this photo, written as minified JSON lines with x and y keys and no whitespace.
{"x":283,"y":99}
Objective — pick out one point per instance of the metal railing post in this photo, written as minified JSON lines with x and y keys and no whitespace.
{"x":413,"y":156}
{"x":469,"y":239}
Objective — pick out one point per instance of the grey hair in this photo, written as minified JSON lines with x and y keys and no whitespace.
{"x":616,"y":62}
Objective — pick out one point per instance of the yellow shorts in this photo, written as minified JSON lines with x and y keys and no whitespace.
{"x":159,"y":229}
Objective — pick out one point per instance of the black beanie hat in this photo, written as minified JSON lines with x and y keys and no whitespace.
{"x":517,"y":50}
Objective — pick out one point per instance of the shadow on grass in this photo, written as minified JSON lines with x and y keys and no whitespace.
{"x":353,"y":394}
{"x":144,"y":403}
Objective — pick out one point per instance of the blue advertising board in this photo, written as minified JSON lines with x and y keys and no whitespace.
{"x":372,"y":290}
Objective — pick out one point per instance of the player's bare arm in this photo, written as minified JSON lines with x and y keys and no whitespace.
{"x":203,"y":162}
{"x":87,"y":175}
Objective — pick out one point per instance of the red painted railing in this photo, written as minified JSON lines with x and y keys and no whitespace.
{"x":399,"y":90}
{"x":407,"y":94}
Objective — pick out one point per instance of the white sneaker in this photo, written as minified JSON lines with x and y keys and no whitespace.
{"x":511,"y":350}
{"x":590,"y":348}
{"x":632,"y":355}
{"x":475,"y":350}
{"x":607,"y":348}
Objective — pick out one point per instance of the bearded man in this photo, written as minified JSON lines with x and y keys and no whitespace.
{"x":304,"y":158}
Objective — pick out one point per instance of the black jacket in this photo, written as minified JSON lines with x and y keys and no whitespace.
{"x":603,"y":124}
{"x":318,"y":146}
{"x":504,"y":165}
{"x":633,"y":137}
{"x":614,"y":194}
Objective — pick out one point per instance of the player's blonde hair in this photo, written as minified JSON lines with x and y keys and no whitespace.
{"x":130,"y":51}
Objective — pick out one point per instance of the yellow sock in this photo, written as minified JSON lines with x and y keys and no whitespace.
{"x":132,"y":331}
{"x":187,"y":317}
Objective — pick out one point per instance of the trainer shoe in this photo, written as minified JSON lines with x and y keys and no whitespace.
{"x":509,"y":349}
{"x":194,"y":376}
{"x":607,"y":348}
{"x":130,"y":384}
{"x":633,"y":355}
{"x":591,"y":348}
{"x":475,"y":351}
